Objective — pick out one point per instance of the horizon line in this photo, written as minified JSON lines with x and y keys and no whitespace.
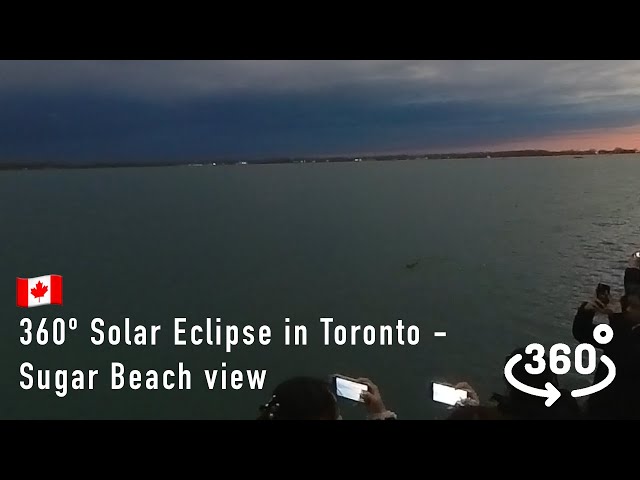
{"x":207,"y":160}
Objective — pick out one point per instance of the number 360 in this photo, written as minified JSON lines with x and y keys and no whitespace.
{"x":559,"y":360}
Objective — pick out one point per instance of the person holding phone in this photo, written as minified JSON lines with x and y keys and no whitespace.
{"x":517,"y":405}
{"x":632,"y":273}
{"x":619,"y":399}
{"x":308,"y":398}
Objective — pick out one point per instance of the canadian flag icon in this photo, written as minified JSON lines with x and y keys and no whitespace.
{"x":38,"y":291}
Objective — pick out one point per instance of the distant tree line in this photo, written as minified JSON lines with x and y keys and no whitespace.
{"x":379,"y":158}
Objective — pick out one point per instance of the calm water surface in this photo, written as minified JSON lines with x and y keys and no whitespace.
{"x":507,"y":248}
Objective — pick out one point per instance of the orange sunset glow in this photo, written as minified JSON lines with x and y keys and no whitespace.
{"x":598,"y":139}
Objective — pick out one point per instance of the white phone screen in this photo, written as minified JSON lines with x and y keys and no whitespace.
{"x":349,"y":389}
{"x":448,"y":395}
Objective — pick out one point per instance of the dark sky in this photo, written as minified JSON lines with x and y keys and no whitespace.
{"x":83,"y":111}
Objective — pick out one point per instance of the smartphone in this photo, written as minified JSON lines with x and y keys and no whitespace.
{"x":349,"y":388}
{"x":447,"y":394}
{"x":603,"y":292}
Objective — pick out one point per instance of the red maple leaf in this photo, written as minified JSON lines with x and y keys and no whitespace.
{"x":39,"y":291}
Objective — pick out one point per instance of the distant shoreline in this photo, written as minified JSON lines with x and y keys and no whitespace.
{"x":340,"y":159}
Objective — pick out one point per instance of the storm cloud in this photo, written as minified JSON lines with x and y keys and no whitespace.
{"x":142,"y":110}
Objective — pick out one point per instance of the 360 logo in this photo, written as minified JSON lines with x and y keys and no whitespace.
{"x":560,"y":364}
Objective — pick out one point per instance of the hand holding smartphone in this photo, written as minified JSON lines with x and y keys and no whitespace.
{"x":602,"y":300}
{"x":447,"y":394}
{"x":603,"y":293}
{"x":348,"y":388}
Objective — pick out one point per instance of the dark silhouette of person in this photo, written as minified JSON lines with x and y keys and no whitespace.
{"x":308,"y":398}
{"x":620,"y":399}
{"x":517,"y":405}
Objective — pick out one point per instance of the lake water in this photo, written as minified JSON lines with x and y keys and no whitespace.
{"x":507,"y":249}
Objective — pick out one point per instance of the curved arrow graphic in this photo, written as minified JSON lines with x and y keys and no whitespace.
{"x":583,"y":392}
{"x":550,"y":392}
